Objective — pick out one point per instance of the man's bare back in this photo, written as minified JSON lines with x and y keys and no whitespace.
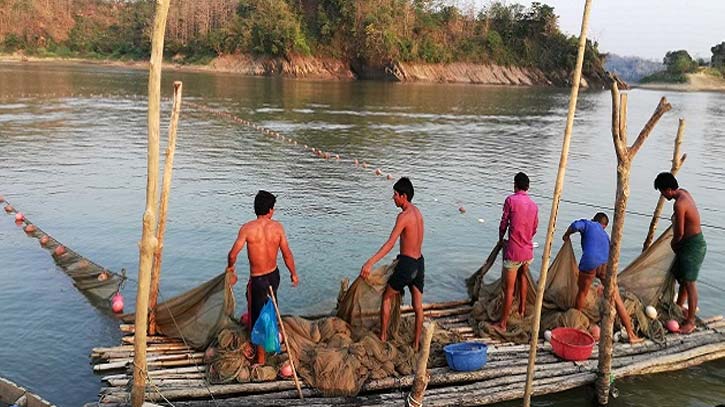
{"x":411,"y":236}
{"x":686,"y":217}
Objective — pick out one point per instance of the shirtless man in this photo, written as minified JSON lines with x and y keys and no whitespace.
{"x":688,"y":244}
{"x":264,"y":238}
{"x":521,"y":218}
{"x":410,"y":270}
{"x":595,"y":257}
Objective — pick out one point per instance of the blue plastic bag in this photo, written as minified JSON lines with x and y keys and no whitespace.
{"x":265,"y":331}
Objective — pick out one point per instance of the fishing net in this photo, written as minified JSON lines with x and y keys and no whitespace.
{"x":197,"y":315}
{"x":335,"y":355}
{"x":360,"y":304}
{"x":646,"y":281}
{"x":488,"y":305}
{"x":97,"y":283}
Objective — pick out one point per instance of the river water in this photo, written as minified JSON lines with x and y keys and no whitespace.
{"x":73,"y":158}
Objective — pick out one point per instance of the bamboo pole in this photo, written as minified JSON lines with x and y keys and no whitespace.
{"x":677,"y":161}
{"x":148,"y":240}
{"x":421,"y":370}
{"x":625,"y":156}
{"x":284,"y":336}
{"x":165,"y":189}
{"x":559,"y":186}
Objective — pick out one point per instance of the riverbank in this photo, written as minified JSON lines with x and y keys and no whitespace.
{"x":696,"y":82}
{"x":315,"y":68}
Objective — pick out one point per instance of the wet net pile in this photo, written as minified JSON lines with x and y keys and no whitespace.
{"x":646,"y":281}
{"x":336,"y":354}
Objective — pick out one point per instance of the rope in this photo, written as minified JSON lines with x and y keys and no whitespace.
{"x":178,"y":329}
{"x":153,"y":385}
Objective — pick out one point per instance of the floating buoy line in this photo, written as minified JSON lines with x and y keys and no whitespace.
{"x":98,"y":283}
{"x":356,"y":163}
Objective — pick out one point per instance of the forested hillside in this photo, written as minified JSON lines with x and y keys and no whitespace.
{"x":367,"y":32}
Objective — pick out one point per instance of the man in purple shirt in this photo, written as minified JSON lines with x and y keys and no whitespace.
{"x":520,"y":217}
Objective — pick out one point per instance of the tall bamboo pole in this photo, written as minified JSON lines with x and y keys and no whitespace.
{"x":559,"y":186}
{"x":677,"y":161}
{"x":625,"y":156}
{"x":165,"y":188}
{"x":148,"y":240}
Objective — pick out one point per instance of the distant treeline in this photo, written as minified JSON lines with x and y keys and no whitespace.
{"x":677,"y":64}
{"x":367,"y":31}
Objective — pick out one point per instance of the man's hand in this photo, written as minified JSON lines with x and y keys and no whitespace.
{"x":565,"y":237}
{"x":365,"y":270}
{"x":233,"y":278}
{"x":295,"y":280}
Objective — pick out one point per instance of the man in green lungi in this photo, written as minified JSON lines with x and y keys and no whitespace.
{"x":688,"y":244}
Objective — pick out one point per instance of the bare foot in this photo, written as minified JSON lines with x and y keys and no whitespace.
{"x":687,"y":328}
{"x":383,"y":337}
{"x":499,"y":327}
{"x":634,"y":339}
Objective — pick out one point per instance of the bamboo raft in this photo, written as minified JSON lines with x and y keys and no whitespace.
{"x":177,"y":373}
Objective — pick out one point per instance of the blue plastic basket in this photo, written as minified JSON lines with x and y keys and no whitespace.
{"x":466,"y":356}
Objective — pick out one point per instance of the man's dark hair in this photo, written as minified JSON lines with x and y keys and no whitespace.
{"x":601,"y":216}
{"x":665,"y":180}
{"x":263,"y":202}
{"x":404,"y":187}
{"x":521,"y":181}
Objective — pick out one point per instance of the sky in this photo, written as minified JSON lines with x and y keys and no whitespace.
{"x":644,"y":28}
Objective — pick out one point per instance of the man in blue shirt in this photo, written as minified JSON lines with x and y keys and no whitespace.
{"x":593,"y":263}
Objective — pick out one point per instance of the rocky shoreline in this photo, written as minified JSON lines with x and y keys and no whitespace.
{"x":315,"y":68}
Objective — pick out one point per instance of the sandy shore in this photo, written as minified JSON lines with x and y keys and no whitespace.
{"x":697,"y":82}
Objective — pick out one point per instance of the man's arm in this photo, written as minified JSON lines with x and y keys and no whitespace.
{"x":573,"y":228}
{"x":234,"y":252}
{"x":504,"y":220}
{"x":678,"y":228}
{"x":385,"y":249}
{"x":289,"y":260}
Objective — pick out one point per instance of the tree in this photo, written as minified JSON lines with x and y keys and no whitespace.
{"x":718,"y":56}
{"x":679,"y":62}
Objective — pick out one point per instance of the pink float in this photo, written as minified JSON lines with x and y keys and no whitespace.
{"x":673,"y":326}
{"x":30,"y":229}
{"x":19,"y":217}
{"x":59,"y":251}
{"x":44,"y":240}
{"x":9,"y":209}
{"x":117,"y":303}
{"x":2,"y":199}
{"x":286,"y":370}
{"x":462,"y":209}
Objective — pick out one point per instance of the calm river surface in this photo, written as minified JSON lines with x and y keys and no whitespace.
{"x":73,"y":158}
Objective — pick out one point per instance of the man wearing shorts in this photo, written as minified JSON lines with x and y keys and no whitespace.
{"x":410,"y":270}
{"x":688,"y":243}
{"x":264,"y":238}
{"x":521,"y":218}
{"x":593,"y":263}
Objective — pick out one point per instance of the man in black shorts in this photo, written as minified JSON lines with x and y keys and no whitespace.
{"x":264,"y":238}
{"x":410,"y":270}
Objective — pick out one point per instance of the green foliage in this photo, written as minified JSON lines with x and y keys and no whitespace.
{"x":372,"y":32}
{"x":269,"y":27}
{"x":666,"y":77}
{"x":718,"y":56}
{"x":679,"y":62}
